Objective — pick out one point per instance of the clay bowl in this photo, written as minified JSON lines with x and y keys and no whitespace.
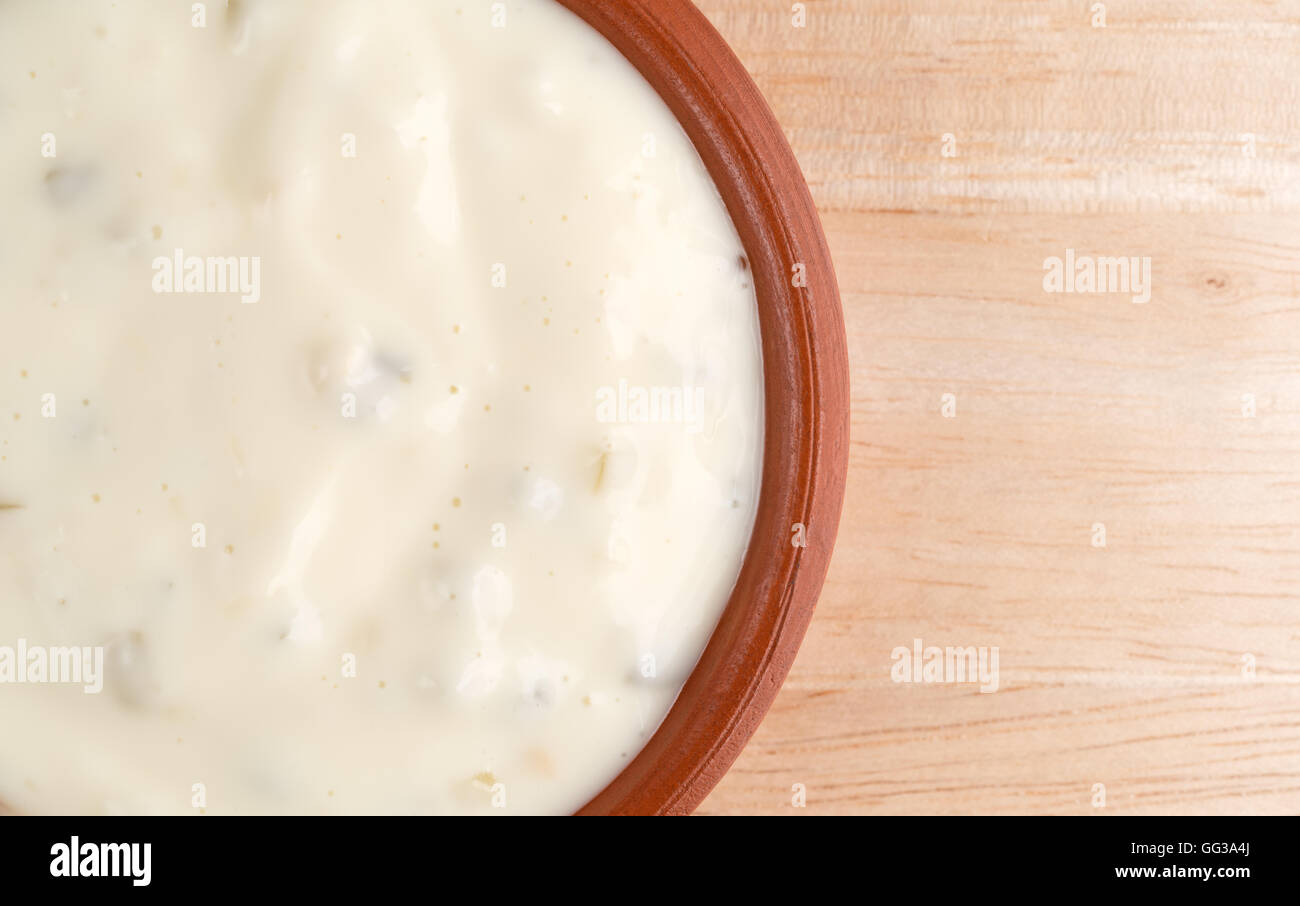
{"x":806,"y":383}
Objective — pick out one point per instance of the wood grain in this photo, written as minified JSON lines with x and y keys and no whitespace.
{"x":1174,"y":133}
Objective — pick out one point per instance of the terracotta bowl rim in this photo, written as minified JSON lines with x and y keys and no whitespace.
{"x":805,"y":363}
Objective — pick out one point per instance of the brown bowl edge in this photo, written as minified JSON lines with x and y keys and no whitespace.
{"x":805,"y":361}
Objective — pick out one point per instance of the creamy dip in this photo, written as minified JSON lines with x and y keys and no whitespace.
{"x":380,"y":397}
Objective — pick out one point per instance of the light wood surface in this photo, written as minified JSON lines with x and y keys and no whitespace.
{"x":1122,"y":665}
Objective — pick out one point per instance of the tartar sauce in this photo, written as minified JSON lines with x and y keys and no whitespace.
{"x":380,"y":395}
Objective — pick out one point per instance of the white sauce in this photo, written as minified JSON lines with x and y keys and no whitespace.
{"x":502,"y":558}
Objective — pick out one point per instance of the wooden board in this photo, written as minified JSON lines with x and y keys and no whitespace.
{"x":1164,"y":666}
